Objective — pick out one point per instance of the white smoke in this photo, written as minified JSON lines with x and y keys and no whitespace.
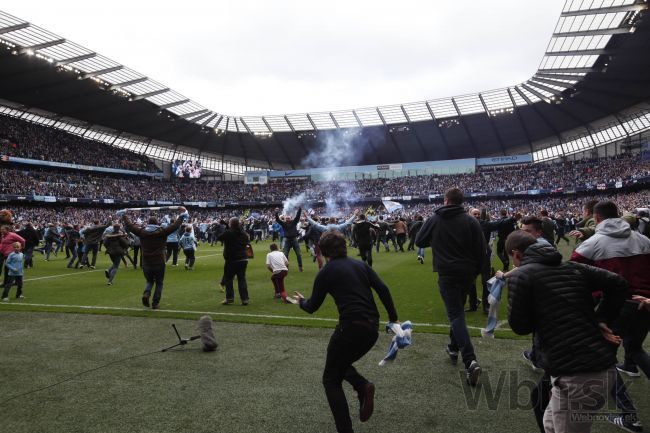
{"x":335,"y":149}
{"x":291,"y":204}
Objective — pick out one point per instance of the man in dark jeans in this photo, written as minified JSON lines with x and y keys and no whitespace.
{"x":363,"y":237}
{"x":349,"y":282}
{"x":153,"y":239}
{"x":92,"y":238}
{"x":30,"y":235}
{"x":458,"y":248}
{"x":236,"y":260}
{"x":291,"y":235}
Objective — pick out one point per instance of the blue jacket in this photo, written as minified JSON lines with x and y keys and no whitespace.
{"x":173,"y":236}
{"x":14,"y":264}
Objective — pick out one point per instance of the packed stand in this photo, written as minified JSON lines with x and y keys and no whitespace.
{"x":29,"y":140}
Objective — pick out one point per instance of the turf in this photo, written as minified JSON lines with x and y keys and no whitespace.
{"x":50,"y":286}
{"x":261,"y":379}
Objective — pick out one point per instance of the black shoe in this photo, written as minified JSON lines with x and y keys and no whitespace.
{"x":145,"y":299}
{"x":473,"y":373}
{"x":367,"y":402}
{"x":155,"y":307}
{"x":453,"y":355}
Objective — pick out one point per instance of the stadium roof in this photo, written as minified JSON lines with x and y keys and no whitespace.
{"x":596,"y":67}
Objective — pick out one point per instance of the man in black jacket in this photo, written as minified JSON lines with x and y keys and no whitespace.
{"x":458,"y":248}
{"x":291,"y":235}
{"x":363,"y":236}
{"x":234,"y":252}
{"x":553,"y":299}
{"x":32,"y":240}
{"x":92,"y":237}
{"x":349,"y":282}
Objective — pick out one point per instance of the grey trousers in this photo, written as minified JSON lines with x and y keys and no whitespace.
{"x":576,"y":401}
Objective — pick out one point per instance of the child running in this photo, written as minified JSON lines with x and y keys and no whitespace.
{"x":14,"y":269}
{"x":188,"y":243}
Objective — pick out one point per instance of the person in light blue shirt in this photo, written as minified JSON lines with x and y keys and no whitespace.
{"x":332,"y":224}
{"x":172,"y":246}
{"x":188,"y":243}
{"x":14,"y":266}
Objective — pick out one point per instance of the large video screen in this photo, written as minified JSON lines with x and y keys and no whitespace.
{"x":190,"y":169}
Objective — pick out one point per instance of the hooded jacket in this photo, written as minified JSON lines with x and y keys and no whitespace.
{"x":553,"y":299}
{"x":153,"y":240}
{"x":7,"y":241}
{"x":30,"y":235}
{"x":456,"y":241}
{"x":619,"y":249}
{"x":93,"y":234}
{"x":116,"y":244}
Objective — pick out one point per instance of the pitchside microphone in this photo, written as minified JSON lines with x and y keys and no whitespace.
{"x":208,"y":340}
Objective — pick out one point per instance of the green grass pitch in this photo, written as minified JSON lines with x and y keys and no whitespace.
{"x":49,"y":286}
{"x":265,"y":376}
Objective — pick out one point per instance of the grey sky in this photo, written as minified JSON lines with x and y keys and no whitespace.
{"x":255,"y":57}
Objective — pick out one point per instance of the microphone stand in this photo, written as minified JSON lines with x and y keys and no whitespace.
{"x":181,"y":341}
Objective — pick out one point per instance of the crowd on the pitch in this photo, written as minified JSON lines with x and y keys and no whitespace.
{"x":32,"y":141}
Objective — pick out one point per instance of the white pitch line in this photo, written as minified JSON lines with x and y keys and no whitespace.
{"x":96,"y":270}
{"x":215,"y":313}
{"x":61,"y":275}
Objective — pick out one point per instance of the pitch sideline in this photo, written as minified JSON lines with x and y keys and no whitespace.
{"x":216,"y":313}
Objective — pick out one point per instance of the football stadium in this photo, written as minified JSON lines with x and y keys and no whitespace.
{"x":468,"y":263}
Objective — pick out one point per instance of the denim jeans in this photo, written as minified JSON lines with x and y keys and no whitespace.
{"x":453,"y":290}
{"x":290,"y":243}
{"x":29,"y":255}
{"x":116,"y":259}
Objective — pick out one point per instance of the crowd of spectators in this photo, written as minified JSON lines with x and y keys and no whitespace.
{"x":23,"y":139}
{"x":568,"y":205}
{"x":553,"y":176}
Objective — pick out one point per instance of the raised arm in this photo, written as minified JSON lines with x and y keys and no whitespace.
{"x":296,"y":219}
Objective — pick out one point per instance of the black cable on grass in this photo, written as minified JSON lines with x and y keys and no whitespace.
{"x":77,"y":375}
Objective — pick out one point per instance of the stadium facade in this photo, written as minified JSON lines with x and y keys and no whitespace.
{"x":591,"y":89}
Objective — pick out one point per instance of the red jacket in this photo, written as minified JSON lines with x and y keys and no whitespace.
{"x":619,"y":249}
{"x":7,"y":241}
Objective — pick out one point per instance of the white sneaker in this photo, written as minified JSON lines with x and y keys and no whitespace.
{"x":5,"y":299}
{"x":21,"y":297}
{"x":486,"y":334}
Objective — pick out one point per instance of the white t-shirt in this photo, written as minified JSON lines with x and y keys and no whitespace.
{"x":278,"y":261}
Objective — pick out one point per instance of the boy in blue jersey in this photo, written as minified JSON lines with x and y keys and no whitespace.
{"x":188,"y":243}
